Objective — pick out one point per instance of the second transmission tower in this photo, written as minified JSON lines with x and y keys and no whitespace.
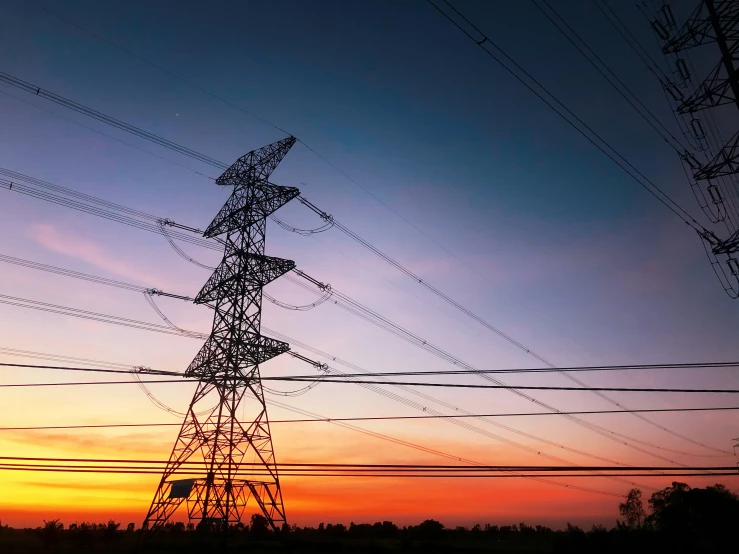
{"x":712,"y":22}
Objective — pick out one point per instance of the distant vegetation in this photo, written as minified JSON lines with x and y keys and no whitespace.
{"x":677,"y":519}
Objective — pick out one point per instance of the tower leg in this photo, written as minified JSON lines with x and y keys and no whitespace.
{"x":217,"y":464}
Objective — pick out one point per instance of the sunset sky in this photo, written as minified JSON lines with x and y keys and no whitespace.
{"x":551,"y":243}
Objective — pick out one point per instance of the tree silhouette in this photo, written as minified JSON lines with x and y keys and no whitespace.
{"x":259,"y":526}
{"x":633,"y":509}
{"x":50,"y":532}
{"x":430,"y":529}
{"x":680,"y":509}
{"x":110,"y":531}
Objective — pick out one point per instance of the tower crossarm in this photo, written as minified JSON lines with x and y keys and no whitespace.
{"x":699,"y":29}
{"x":716,"y":89}
{"x":729,"y":246}
{"x":726,"y":162}
{"x":717,"y":20}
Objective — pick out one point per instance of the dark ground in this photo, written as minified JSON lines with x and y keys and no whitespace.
{"x":599,"y":540}
{"x":681,"y":519}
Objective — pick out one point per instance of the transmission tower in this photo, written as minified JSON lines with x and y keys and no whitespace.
{"x":220,"y":461}
{"x":716,"y":23}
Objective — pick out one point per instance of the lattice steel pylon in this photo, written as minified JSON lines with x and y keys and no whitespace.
{"x":716,"y":23}
{"x":220,"y":461}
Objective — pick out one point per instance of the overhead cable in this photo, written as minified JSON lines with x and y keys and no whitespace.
{"x":378,"y":418}
{"x":564,"y":112}
{"x":14,"y":185}
{"x":328,"y":218}
{"x":448,"y":357}
{"x":123,"y":126}
{"x":352,"y":380}
{"x":427,"y":450}
{"x":180,"y":252}
{"x":628,"y":95}
{"x":607,"y":73}
{"x":707,"y":365}
{"x":99,"y":132}
{"x":417,"y":406}
{"x":95,"y":316}
{"x":336,"y":466}
{"x":296,"y":472}
{"x":253,"y":115}
{"x":373,"y":317}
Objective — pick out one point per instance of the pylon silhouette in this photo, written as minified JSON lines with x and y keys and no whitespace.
{"x":220,"y":462}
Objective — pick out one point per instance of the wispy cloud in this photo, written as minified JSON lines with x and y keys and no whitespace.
{"x":140,"y":443}
{"x":84,"y":249}
{"x":81,"y":485}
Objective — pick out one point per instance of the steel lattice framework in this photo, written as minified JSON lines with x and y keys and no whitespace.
{"x":213,"y":444}
{"x":711,"y":22}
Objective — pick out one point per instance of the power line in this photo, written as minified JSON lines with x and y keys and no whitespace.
{"x":95,"y":316}
{"x":435,"y":452}
{"x":352,"y":380}
{"x":645,"y":182}
{"x":431,"y":348}
{"x":709,"y":365}
{"x":198,"y":240}
{"x":452,"y":420}
{"x":662,"y":131}
{"x":177,"y":330}
{"x":108,"y":120}
{"x":169,"y":144}
{"x":499,"y":387}
{"x":376,"y":418}
{"x":427,"y":346}
{"x":424,"y":408}
{"x":596,"y":428}
{"x":576,"y":123}
{"x":82,"y":202}
{"x":139,"y":370}
{"x":462,"y":424}
{"x":83,"y":383}
{"x":472,"y":428}
{"x":62,"y":358}
{"x":373,"y":317}
{"x":60,"y":116}
{"x":70,"y":273}
{"x":402,"y":442}
{"x":357,"y":238}
{"x":64,"y":272}
{"x":80,"y":195}
{"x":667,"y":136}
{"x":384,"y":323}
{"x":288,"y":473}
{"x":253,"y":115}
{"x":320,"y":466}
{"x":520,"y":346}
{"x":632,"y":41}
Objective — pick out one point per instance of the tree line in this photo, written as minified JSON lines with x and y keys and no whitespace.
{"x":677,"y":518}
